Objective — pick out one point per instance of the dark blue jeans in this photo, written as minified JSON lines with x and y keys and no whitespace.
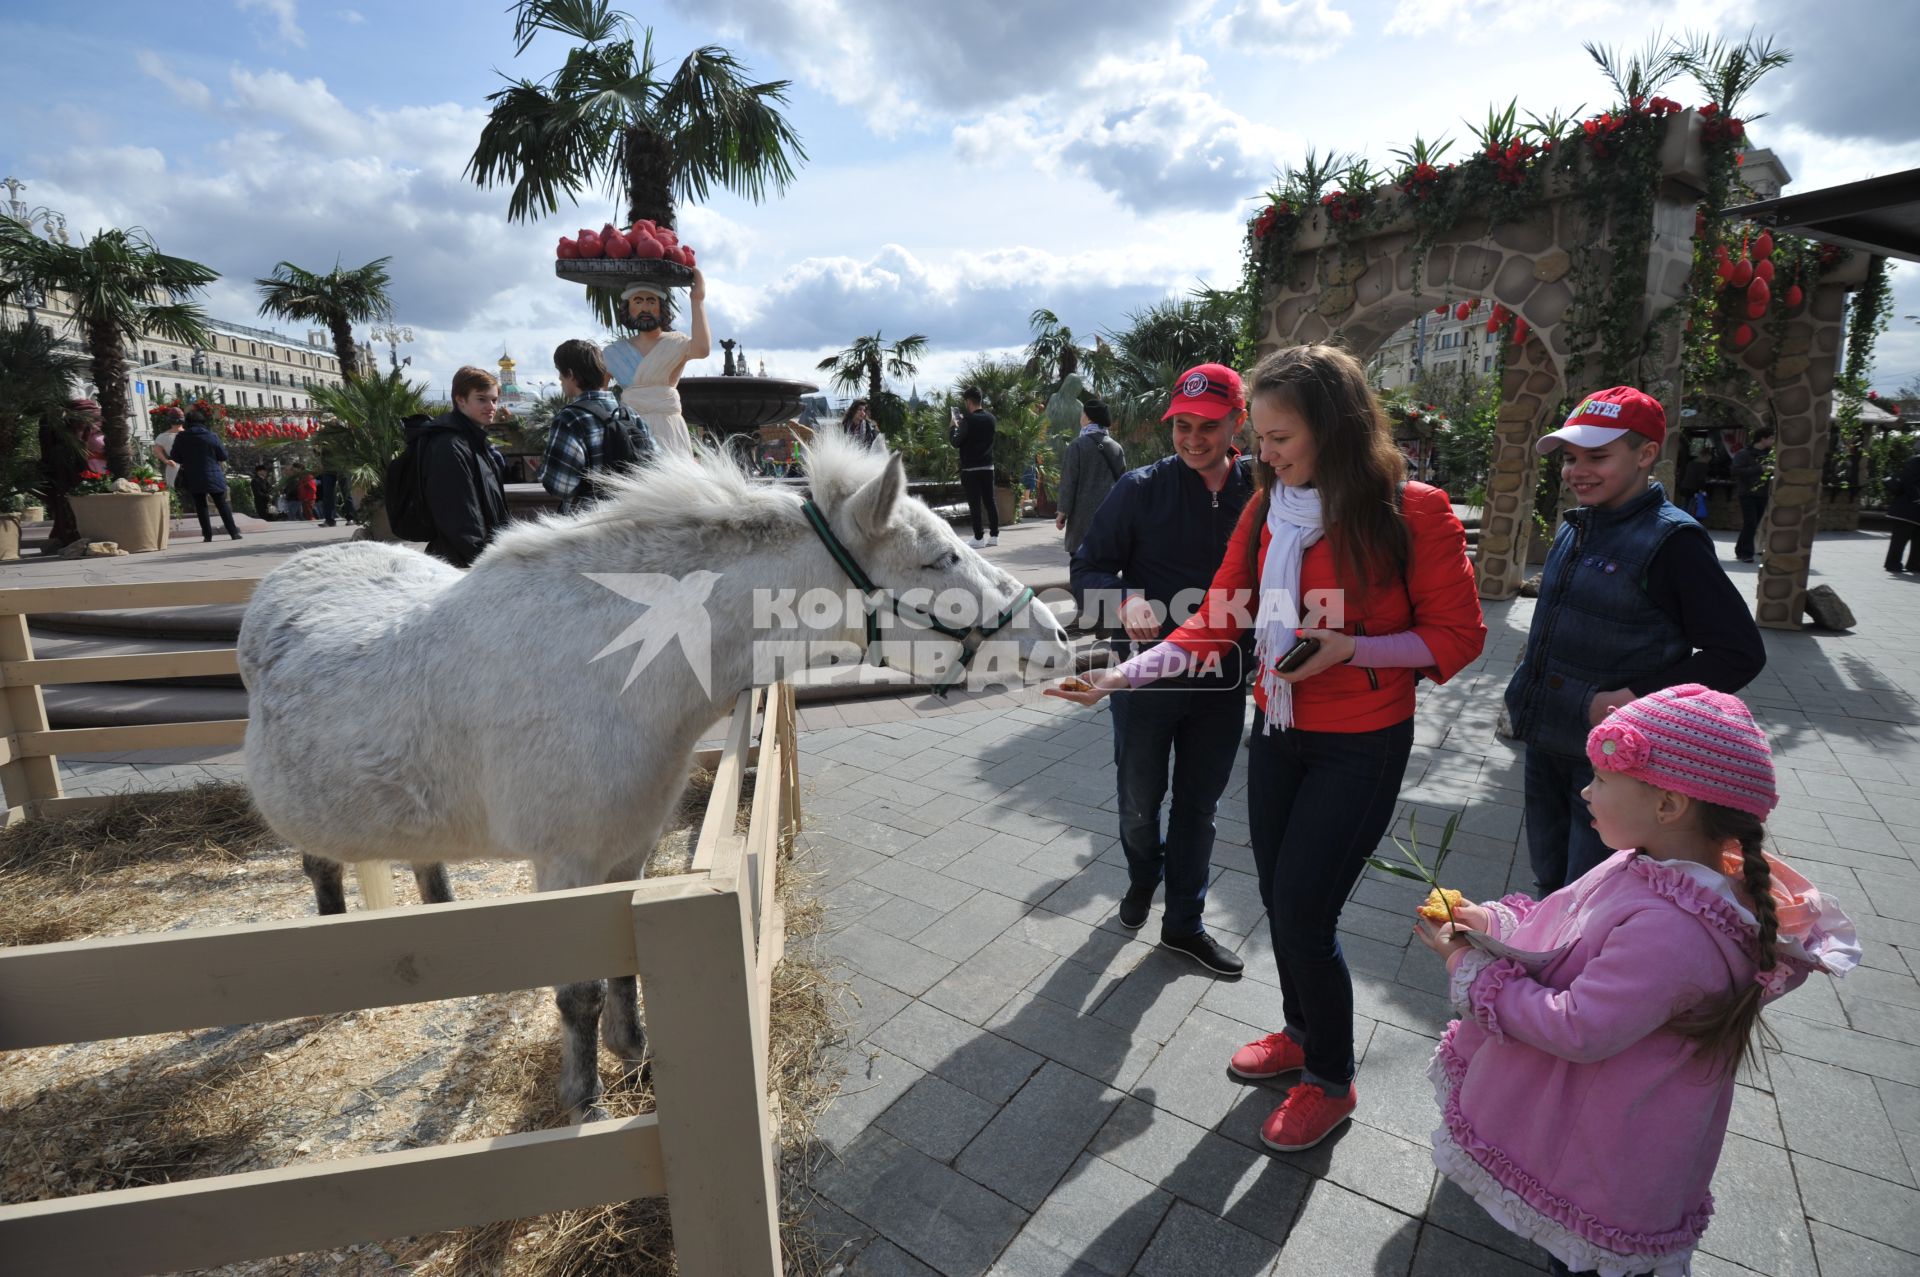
{"x":1319,"y":803}
{"x":1561,"y":839}
{"x":1753,"y":508}
{"x":1199,"y":730}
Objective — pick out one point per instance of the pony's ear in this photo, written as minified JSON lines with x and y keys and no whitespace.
{"x":872,"y":507}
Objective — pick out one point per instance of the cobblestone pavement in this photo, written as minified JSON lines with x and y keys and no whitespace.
{"x":1030,"y":1089}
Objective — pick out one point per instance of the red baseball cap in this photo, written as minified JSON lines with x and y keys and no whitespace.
{"x":1607,"y":414}
{"x":1209,"y":390}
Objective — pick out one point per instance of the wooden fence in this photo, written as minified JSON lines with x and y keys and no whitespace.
{"x":704,"y":943}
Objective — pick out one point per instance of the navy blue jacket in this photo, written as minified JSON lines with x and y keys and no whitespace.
{"x":1160,"y":533}
{"x":199,"y":453}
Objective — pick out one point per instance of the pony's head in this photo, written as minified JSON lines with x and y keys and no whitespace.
{"x":944,"y":612}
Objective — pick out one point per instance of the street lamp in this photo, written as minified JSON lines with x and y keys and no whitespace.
{"x":393,"y":334}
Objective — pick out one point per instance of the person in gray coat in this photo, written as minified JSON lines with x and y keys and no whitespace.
{"x":1093,"y":463}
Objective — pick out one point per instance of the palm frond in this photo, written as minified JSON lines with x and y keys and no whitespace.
{"x":593,"y":21}
{"x":1640,"y":74}
{"x":726,"y":131}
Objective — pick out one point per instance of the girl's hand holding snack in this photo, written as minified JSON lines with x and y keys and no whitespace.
{"x":1089,"y":688}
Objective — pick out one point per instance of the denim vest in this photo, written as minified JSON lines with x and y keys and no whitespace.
{"x":1595,"y":629}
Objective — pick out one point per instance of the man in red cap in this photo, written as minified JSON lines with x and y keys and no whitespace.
{"x":1633,"y":600}
{"x":1157,"y":537}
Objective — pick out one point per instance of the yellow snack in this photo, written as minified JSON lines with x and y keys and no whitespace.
{"x":1075,"y":684}
{"x":1439,"y":901}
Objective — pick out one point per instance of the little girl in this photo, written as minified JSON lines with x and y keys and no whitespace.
{"x":1586,"y":1090}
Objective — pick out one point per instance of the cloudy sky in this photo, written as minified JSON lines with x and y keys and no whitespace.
{"x":967,"y":161}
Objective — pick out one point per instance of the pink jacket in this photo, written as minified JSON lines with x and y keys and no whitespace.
{"x":1571,"y":1114}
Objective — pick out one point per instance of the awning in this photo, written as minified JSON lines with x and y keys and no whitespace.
{"x":1880,"y":215}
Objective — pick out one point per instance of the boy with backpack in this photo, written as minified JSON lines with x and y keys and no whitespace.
{"x":1633,"y":600}
{"x":446,"y":487}
{"x":594,"y":434}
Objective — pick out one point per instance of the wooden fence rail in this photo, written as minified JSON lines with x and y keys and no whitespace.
{"x":704,"y":943}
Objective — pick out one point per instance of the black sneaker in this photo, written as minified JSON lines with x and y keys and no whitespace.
{"x":1202,"y":948}
{"x":1134,"y":906}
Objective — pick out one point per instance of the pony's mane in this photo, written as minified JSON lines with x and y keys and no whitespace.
{"x":710,"y":492}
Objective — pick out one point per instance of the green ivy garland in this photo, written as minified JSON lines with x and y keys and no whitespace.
{"x":1871,"y":312}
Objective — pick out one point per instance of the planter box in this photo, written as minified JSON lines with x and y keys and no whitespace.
{"x":9,"y":537}
{"x":1008,"y":501}
{"x":135,"y":521}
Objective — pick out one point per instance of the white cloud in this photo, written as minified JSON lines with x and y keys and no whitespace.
{"x":352,"y":17}
{"x":285,"y":15}
{"x":316,"y":117}
{"x":1303,"y":29}
{"x":1470,"y":20}
{"x":192,"y":92}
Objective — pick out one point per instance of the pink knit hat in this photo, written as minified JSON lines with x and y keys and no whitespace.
{"x":1694,"y":741}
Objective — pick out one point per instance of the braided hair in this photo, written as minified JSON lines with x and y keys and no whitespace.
{"x":1724,"y":1027}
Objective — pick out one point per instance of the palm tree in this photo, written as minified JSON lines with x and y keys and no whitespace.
{"x":369,"y":429}
{"x":339,"y":299}
{"x":36,"y":376}
{"x":612,"y":115}
{"x":864,"y":360}
{"x":120,"y":288}
{"x":1051,"y":353}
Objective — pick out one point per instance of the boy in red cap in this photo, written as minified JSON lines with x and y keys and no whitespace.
{"x":1633,"y":600}
{"x":1160,"y":534}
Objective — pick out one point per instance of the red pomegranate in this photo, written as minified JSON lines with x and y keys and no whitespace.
{"x":1519,"y":331}
{"x":568,"y":249}
{"x":1742,"y":337}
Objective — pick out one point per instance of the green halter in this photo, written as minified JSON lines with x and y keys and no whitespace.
{"x":864,"y":583}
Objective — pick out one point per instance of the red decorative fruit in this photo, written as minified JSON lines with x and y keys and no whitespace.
{"x":1794,"y":295}
{"x":1763,"y":247}
{"x":1741,"y":274}
{"x":1742,"y":337}
{"x":1461,"y":311}
{"x":567,"y":249}
{"x":616,"y":245}
{"x":1758,"y":294}
{"x":1519,"y":331}
{"x":1756,"y":310}
{"x":647,"y":247}
{"x":590,"y":245}
{"x":1441,"y":309}
{"x":1763,"y":269}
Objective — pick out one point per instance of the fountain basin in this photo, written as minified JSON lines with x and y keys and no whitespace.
{"x":729,"y":406}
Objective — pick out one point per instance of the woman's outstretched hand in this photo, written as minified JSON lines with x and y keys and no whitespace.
{"x":1089,"y":688}
{"x":1335,"y":647}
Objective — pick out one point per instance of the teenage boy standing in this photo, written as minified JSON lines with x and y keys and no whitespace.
{"x":1633,"y":599}
{"x":1160,"y":533}
{"x":972,"y":435}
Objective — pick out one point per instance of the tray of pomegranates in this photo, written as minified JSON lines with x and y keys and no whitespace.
{"x":613,"y":257}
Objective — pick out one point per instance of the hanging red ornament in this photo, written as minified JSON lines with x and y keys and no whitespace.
{"x":1461,"y":311}
{"x":1763,"y":247}
{"x":1794,"y":295}
{"x":1441,"y":309}
{"x":1763,"y":269}
{"x":1758,"y":294}
{"x":1519,"y":331}
{"x":1742,"y":337}
{"x":1742,"y":273}
{"x":1756,"y":310}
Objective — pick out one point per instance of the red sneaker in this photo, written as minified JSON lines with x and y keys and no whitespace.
{"x":1269,"y":1057}
{"x":1307,"y":1116}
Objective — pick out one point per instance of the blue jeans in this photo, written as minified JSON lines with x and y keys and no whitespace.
{"x":334,"y":494}
{"x":1319,"y":803}
{"x":1561,"y":839}
{"x":1200,"y":730}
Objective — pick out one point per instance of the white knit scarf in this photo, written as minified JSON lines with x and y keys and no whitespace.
{"x":1293,"y":519}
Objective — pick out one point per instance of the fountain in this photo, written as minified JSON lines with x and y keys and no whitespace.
{"x":738,"y":403}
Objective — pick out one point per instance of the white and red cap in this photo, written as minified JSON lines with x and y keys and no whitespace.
{"x":1208,"y":390}
{"x":1607,"y":414}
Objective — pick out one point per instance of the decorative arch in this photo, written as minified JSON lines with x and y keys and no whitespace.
{"x":1355,"y":288}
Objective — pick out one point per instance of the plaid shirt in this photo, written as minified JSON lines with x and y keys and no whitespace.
{"x":576,"y":444}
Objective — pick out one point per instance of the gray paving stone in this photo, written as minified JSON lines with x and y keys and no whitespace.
{"x":1092,"y":896}
{"x":1395,"y":1094}
{"x":1092,"y":1046}
{"x":1154,"y":999}
{"x":967,"y":929}
{"x":1863,"y":1052}
{"x":1755,"y":1116}
{"x":1836,"y":1115}
{"x":1014,"y":881}
{"x":916,"y":883}
{"x":1192,"y":1241}
{"x":987,"y":1065}
{"x":931,"y":1211}
{"x":1861,"y":1204}
{"x":1258,"y":1192}
{"x":870,"y":1083}
{"x":987,"y":981}
{"x":863,"y":1004}
{"x":902,"y":966}
{"x":1843,"y":1254}
{"x":1758,"y":1221}
{"x":1189,"y":1077}
{"x":1901,"y":1102}
{"x":903,"y":919}
{"x":1096,"y":1222}
{"x":1010,"y":820}
{"x":1440,"y":1253}
{"x":1038,"y":1135}
{"x":937,"y":851}
{"x":1336,"y":1226}
{"x":884,"y":1259}
{"x":851,"y":901}
{"x":936,"y":1117}
{"x":1456,"y":1212}
{"x":862,"y":832}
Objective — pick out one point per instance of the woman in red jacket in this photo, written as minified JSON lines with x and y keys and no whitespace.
{"x":1382,"y":567}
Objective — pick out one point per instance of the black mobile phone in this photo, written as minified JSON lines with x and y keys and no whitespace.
{"x":1297,"y":655}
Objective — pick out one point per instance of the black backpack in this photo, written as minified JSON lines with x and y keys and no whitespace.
{"x":624,"y":441}
{"x":405,"y":496}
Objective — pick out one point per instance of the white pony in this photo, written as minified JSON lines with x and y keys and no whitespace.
{"x":544,"y":705}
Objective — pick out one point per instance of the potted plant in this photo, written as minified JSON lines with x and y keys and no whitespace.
{"x":1019,"y":438}
{"x":368,"y":430}
{"x":133,"y":513}
{"x":35,"y":374}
